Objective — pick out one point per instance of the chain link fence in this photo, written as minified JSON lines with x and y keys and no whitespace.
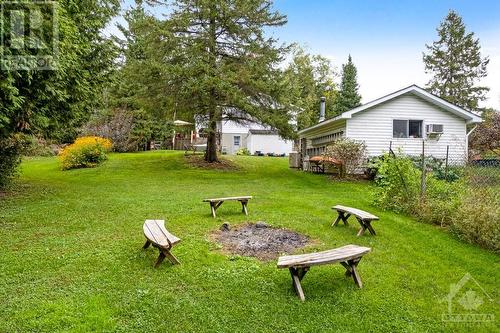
{"x":450,"y":189}
{"x":475,"y":172}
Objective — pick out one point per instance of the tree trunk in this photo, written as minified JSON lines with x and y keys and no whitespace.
{"x":213,"y":112}
{"x":211,"y":153}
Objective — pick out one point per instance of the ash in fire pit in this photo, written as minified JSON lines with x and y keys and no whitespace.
{"x":259,"y":240}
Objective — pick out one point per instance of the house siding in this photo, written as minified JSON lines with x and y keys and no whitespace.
{"x":271,"y":143}
{"x":227,"y":142}
{"x":374,"y":127}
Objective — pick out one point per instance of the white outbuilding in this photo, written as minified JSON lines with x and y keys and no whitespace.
{"x":255,"y":137}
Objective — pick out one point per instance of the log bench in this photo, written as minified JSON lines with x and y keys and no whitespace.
{"x":217,"y":202}
{"x":158,"y":236}
{"x":364,"y":218}
{"x":298,"y":265}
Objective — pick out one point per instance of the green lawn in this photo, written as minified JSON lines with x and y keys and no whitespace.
{"x":71,"y":256}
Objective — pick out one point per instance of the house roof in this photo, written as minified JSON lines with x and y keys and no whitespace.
{"x":413,"y":89}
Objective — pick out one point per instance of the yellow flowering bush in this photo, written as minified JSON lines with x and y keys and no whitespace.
{"x":85,"y":152}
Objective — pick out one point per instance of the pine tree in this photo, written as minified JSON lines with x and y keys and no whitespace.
{"x":349,"y":96}
{"x":456,"y":64}
{"x":221,"y":63}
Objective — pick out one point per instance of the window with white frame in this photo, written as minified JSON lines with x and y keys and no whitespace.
{"x":407,"y":128}
{"x":236,"y":140}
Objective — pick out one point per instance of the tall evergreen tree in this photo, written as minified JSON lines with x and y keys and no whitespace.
{"x":456,"y":64}
{"x":221,"y":63}
{"x":140,"y":91}
{"x":349,"y":96}
{"x":51,"y":103}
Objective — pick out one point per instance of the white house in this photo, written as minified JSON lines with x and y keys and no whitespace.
{"x":253,"y":136}
{"x":401,"y":119}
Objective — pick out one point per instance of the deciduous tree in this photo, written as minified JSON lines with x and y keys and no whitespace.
{"x":308,"y":78}
{"x":485,"y":139}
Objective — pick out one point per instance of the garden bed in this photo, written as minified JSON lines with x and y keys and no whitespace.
{"x":198,"y":161}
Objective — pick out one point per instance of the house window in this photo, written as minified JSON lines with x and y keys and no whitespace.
{"x":236,"y":140}
{"x":407,"y":128}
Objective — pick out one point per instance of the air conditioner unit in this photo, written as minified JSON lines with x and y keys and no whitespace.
{"x":433,"y":129}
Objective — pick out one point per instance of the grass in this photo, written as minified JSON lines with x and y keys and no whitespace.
{"x":71,"y":257}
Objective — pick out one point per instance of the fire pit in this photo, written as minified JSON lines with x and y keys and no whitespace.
{"x":259,"y":240}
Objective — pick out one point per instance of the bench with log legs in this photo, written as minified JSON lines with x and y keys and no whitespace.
{"x":364,"y":218}
{"x":298,"y":265}
{"x":217,"y":202}
{"x":157,"y":235}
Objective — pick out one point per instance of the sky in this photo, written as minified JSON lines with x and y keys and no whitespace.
{"x":386,"y":38}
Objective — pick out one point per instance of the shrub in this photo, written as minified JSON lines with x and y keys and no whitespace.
{"x":350,"y":153}
{"x":485,"y":139}
{"x":438,"y":167}
{"x":85,"y":152}
{"x":10,"y":152}
{"x":397,"y":182}
{"x":477,"y":219}
{"x":117,"y":125}
{"x":472,"y":213}
{"x":129,"y":130}
{"x":435,"y":166}
{"x":441,"y":201}
{"x":36,"y":146}
{"x":243,"y":151}
{"x":373,"y":164}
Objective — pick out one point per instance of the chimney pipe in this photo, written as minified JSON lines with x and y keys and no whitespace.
{"x":322,"y":109}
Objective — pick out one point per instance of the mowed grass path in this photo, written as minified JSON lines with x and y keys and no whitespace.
{"x":71,"y":257}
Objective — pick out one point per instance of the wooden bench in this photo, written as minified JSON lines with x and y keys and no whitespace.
{"x":158,"y":236}
{"x":217,"y":202}
{"x":364,"y":218}
{"x":194,"y":148}
{"x":348,"y":256}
